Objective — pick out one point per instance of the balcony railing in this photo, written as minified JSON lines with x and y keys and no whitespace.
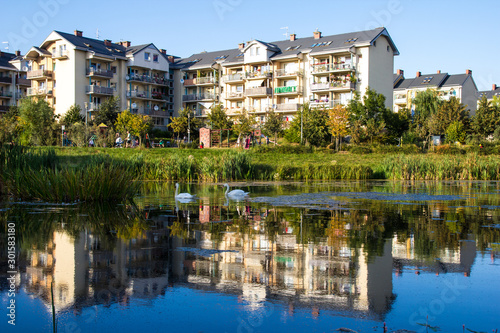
{"x":99,"y":72}
{"x":5,"y":79}
{"x":61,"y":54}
{"x":38,"y":91}
{"x":205,"y":80}
{"x":287,"y":107}
{"x":235,"y":94}
{"x":258,"y":75}
{"x":99,"y":90}
{"x":4,"y":108}
{"x":23,"y":82}
{"x":233,"y":111}
{"x":324,"y":104}
{"x":233,"y":77}
{"x":198,"y":97}
{"x":148,"y":79}
{"x":94,"y":107}
{"x":258,"y":91}
{"x":332,"y":85}
{"x":39,"y":74}
{"x":189,"y":82}
{"x":5,"y":93}
{"x":284,"y":72}
{"x":137,"y":94}
{"x":335,"y":67}
{"x":288,"y":90}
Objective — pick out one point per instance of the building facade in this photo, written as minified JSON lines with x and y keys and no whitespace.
{"x":13,"y":82}
{"x":70,"y":69}
{"x":461,"y":86}
{"x":490,"y":95}
{"x":281,"y":76}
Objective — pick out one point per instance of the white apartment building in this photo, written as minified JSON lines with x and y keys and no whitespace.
{"x":68,"y":69}
{"x":283,"y":75}
{"x":490,"y":94}
{"x":13,"y":82}
{"x":461,"y":86}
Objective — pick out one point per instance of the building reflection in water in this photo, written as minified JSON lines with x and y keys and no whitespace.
{"x":232,"y":250}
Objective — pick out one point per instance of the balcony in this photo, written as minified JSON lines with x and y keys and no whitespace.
{"x":233,"y":78}
{"x":39,"y":74}
{"x":330,"y":68}
{"x":197,"y":97}
{"x":94,"y":107}
{"x":257,"y":75}
{"x":233,"y":111}
{"x":189,"y":82}
{"x":97,"y":72}
{"x":99,"y":90}
{"x":400,"y":99}
{"x":61,"y":55}
{"x":19,"y":94}
{"x":145,"y":78}
{"x":325,"y":104}
{"x":137,"y":94}
{"x":5,"y":80}
{"x":334,"y":85}
{"x":287,"y":107}
{"x":23,"y":82}
{"x":287,"y":73}
{"x":159,"y":96}
{"x":200,"y":81}
{"x":4,"y":108}
{"x":38,"y":91}
{"x":288,"y":90}
{"x":235,"y":95}
{"x":258,"y":91}
{"x":5,"y":94}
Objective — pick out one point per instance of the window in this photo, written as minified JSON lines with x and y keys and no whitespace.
{"x":155,"y":57}
{"x":387,"y":48}
{"x":113,"y":69}
{"x":147,"y":56}
{"x":251,"y":51}
{"x":257,"y":51}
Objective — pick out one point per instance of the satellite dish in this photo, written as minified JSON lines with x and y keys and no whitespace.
{"x":182,"y":81}
{"x":156,"y":108}
{"x":25,"y":68}
{"x":127,"y":77}
{"x":134,"y":105}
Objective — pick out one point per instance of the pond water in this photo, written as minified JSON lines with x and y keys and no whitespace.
{"x":292,"y":257}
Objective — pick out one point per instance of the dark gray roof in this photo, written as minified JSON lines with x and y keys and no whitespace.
{"x":285,"y":48}
{"x":432,"y":80}
{"x":136,"y":48}
{"x":5,"y":58}
{"x":489,"y":93}
{"x":98,"y":46}
{"x":455,"y":80}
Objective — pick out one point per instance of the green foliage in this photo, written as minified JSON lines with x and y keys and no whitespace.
{"x":448,"y":112}
{"x":273,"y":125}
{"x":107,"y":113}
{"x":456,"y":132}
{"x":426,"y":104}
{"x":186,"y":118}
{"x":9,"y":126}
{"x":137,"y":125}
{"x":72,"y":116}
{"x":37,"y":122}
{"x":487,"y":118}
{"x":244,"y":123}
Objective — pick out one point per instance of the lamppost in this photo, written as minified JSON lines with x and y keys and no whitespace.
{"x":86,"y":113}
{"x":189,"y":125}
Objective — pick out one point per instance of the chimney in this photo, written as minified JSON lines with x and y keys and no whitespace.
{"x":401,"y":72}
{"x":419,"y":73}
{"x":241,"y":46}
{"x":163,"y":51}
{"x":317,"y":34}
{"x":107,"y":42}
{"x":293,"y":37}
{"x":125,"y":43}
{"x":171,"y":59}
{"x":78,"y":33}
{"x":494,"y":87}
{"x":439,"y":71}
{"x":468,"y":72}
{"x":18,"y":53}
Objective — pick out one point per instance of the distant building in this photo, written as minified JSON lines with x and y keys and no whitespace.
{"x":461,"y":86}
{"x":490,"y":94}
{"x":281,"y":76}
{"x":13,"y":82}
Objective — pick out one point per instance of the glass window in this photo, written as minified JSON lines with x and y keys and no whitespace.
{"x":147,"y":56}
{"x":155,"y":57}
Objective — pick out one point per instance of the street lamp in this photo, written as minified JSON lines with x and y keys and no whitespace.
{"x":189,"y":125}
{"x":86,"y":113}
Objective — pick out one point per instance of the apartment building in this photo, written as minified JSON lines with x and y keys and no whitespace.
{"x":461,"y":86}
{"x":68,"y":69}
{"x":490,"y":94}
{"x":13,"y":82}
{"x":283,"y":75}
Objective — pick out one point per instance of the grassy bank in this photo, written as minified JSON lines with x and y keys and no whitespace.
{"x":299,"y":163}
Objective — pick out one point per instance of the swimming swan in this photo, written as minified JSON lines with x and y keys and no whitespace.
{"x":235,"y":193}
{"x":182,"y":195}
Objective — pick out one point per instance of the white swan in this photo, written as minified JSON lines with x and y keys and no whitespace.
{"x":235,"y":193}
{"x":182,"y":195}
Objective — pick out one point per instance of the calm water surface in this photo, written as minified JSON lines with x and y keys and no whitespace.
{"x":292,"y":257}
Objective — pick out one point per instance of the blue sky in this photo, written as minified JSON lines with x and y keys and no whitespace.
{"x":450,"y":36}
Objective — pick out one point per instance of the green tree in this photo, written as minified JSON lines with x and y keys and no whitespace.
{"x":486,"y":119}
{"x":9,"y":126}
{"x":447,"y":113}
{"x":456,"y":132}
{"x":426,"y":104}
{"x":72,"y":116}
{"x":273,"y":125}
{"x":37,"y":122}
{"x":138,"y":125}
{"x":218,"y":119}
{"x":243,"y":124}
{"x":108,"y":112}
{"x":180,"y":124}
